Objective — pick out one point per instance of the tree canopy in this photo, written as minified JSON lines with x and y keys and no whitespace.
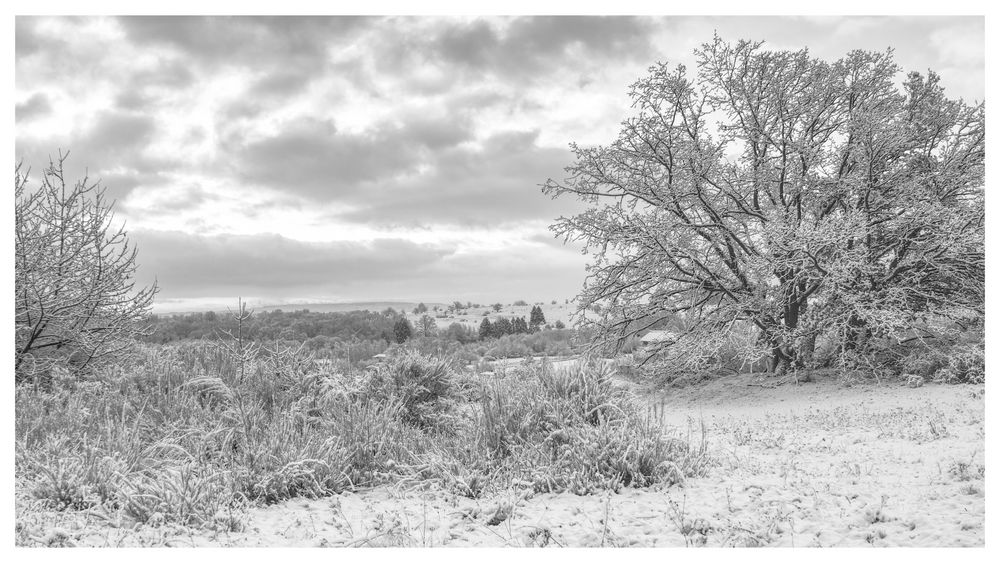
{"x":537,"y":317}
{"x":775,"y":198}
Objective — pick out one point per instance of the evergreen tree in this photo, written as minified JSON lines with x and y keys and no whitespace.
{"x":485,"y":329}
{"x":520,"y":326}
{"x":502,"y":326}
{"x":537,"y":318}
{"x":402,"y":330}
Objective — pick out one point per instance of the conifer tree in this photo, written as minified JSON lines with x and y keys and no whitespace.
{"x":402,"y":330}
{"x":485,"y":329}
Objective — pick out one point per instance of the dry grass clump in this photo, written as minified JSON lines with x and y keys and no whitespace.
{"x":424,"y":386}
{"x":190,"y":435}
{"x":162,"y":447}
{"x":574,"y":430}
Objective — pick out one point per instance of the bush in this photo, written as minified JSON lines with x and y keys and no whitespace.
{"x":423,"y":385}
{"x":958,"y":359}
{"x":543,"y":343}
{"x":510,"y":346}
{"x":572,"y":430}
{"x":966,"y":364}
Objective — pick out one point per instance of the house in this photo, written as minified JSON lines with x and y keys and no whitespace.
{"x":655,"y":337}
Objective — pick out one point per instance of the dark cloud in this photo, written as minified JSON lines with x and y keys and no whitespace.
{"x":312,"y":158}
{"x":282,"y":83}
{"x":435,"y":133}
{"x":192,"y":196}
{"x":529,"y":44}
{"x":78,"y":62}
{"x":119,"y":183}
{"x":606,"y":37}
{"x":130,"y":100}
{"x":524,"y":49}
{"x":474,"y":45}
{"x":293,"y":51}
{"x":204,"y":37}
{"x":376,"y":175}
{"x":119,"y":134}
{"x":26,"y":41}
{"x":271,"y":266}
{"x":243,"y":39}
{"x":288,"y":52}
{"x":195,"y":266}
{"x":168,"y":75}
{"x":474,"y":187}
{"x":37,"y":105}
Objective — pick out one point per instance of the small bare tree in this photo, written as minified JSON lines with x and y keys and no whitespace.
{"x":428,"y":326}
{"x":75,"y":299}
{"x":239,"y":346}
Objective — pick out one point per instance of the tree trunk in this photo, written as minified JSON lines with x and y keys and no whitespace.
{"x":807,"y":347}
{"x":780,"y":360}
{"x":856,"y":336}
{"x":784,"y":355}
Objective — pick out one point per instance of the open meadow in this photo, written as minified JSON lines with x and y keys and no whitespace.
{"x":499,"y":281}
{"x":530,"y":454}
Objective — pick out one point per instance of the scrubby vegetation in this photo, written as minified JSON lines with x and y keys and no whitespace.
{"x":191,"y":433}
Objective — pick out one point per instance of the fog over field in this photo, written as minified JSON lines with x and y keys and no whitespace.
{"x":297,"y":159}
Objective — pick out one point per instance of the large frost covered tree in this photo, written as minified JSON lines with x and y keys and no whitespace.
{"x":775,"y":198}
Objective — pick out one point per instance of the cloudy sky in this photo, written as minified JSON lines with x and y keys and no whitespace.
{"x":332,"y":159}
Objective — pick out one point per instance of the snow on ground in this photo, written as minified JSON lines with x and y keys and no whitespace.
{"x":813,"y":464}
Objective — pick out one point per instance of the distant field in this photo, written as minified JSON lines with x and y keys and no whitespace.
{"x":345,"y":307}
{"x":560,"y":311}
{"x":474,"y":316}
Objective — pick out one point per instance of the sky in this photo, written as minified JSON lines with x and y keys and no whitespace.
{"x":324,"y":159}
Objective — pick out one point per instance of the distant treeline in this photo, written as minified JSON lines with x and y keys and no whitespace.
{"x":303,"y":325}
{"x":277,"y":325}
{"x":357,"y":336}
